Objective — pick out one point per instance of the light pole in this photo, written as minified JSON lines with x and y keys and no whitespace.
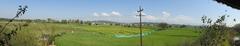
{"x":140,"y":21}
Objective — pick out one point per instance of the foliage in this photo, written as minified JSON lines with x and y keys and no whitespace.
{"x":236,"y":27}
{"x":163,"y":25}
{"x":215,"y":33}
{"x":182,"y":26}
{"x":6,"y":33}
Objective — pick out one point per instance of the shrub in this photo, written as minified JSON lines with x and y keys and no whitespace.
{"x":162,"y":26}
{"x":182,"y":26}
{"x":236,"y":27}
{"x":215,"y":33}
{"x":8,"y":30}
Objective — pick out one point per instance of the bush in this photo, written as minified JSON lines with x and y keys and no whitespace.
{"x":236,"y":27}
{"x":162,"y":26}
{"x":182,"y":26}
{"x":215,"y":33}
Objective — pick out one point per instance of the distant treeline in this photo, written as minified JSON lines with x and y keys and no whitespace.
{"x":99,"y":22}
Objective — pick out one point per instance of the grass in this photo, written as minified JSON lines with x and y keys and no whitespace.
{"x":103,"y":35}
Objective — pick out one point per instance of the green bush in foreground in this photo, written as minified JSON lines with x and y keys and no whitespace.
{"x":215,"y":33}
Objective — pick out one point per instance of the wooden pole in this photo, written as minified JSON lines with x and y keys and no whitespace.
{"x":140,"y":21}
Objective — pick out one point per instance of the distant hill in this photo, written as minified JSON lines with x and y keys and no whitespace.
{"x":104,"y":21}
{"x":146,"y":23}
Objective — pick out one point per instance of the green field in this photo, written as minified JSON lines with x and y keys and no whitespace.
{"x":105,"y":35}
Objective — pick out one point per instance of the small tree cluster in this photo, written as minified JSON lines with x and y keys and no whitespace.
{"x":236,"y":27}
{"x":163,"y":26}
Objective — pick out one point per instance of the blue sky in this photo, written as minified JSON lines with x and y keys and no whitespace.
{"x":170,"y":11}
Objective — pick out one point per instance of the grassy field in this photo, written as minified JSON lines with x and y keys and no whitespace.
{"x":104,"y":35}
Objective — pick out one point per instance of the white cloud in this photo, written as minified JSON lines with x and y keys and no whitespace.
{"x":104,"y":14}
{"x":169,"y":18}
{"x":114,"y":13}
{"x":95,"y":14}
{"x":146,"y":16}
{"x":150,"y":17}
{"x":166,"y":14}
{"x":182,"y":19}
{"x":176,"y":19}
{"x":137,"y":13}
{"x":163,"y":17}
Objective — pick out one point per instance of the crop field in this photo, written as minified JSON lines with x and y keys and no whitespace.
{"x":119,"y":23}
{"x":105,"y":35}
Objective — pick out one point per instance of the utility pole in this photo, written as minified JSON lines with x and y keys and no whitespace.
{"x":140,"y":21}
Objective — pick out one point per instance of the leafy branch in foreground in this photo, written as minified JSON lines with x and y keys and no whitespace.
{"x":215,"y":33}
{"x":20,"y":12}
{"x":5,"y":34}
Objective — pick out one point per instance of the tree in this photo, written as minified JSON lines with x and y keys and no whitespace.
{"x":215,"y":33}
{"x":163,"y":25}
{"x":64,"y":21}
{"x":182,"y":26}
{"x":236,"y":27}
{"x":38,"y":20}
{"x":77,"y":21}
{"x":49,"y":20}
{"x":81,"y":22}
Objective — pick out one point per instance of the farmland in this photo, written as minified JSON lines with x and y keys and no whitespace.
{"x":104,"y":35}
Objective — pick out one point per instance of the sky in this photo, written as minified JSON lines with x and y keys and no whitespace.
{"x":169,"y":11}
